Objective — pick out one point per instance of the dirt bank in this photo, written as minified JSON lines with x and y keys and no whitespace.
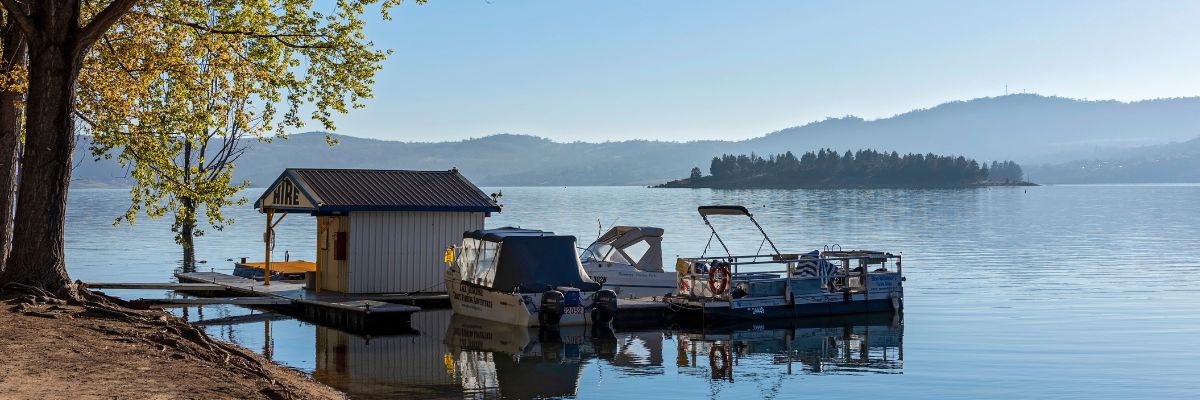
{"x":97,"y":348}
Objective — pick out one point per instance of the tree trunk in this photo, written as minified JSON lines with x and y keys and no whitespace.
{"x":37,"y":257}
{"x":187,"y":226}
{"x":10,"y":135}
{"x":187,"y":235}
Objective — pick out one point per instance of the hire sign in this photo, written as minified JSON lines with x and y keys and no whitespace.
{"x":286,"y":195}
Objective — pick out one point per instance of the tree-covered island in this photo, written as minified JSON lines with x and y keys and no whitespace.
{"x":862,"y":169}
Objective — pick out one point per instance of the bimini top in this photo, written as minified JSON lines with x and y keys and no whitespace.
{"x":621,"y":235}
{"x":324,"y":191}
{"x":524,"y":260}
{"x":722,"y":210}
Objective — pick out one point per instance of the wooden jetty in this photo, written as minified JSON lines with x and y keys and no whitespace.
{"x":176,"y":286}
{"x":243,"y":319}
{"x":202,"y":301}
{"x":358,"y":313}
{"x":349,"y":312}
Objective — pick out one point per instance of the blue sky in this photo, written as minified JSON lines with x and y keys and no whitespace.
{"x":685,"y":70}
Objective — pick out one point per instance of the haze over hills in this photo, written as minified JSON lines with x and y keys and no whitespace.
{"x":1023,"y":127}
{"x":1164,"y":163}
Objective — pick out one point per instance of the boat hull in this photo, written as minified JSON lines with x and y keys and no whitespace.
{"x":801,"y":306}
{"x":800,"y":310}
{"x":509,"y":308}
{"x":633,"y":283}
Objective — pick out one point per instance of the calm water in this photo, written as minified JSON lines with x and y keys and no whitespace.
{"x":1062,"y":291}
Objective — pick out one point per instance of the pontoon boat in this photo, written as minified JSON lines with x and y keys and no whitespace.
{"x":779,"y":285}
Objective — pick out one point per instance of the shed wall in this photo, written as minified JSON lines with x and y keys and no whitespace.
{"x":332,"y":273}
{"x":393,"y":252}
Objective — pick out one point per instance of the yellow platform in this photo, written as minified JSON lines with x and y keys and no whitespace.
{"x":285,"y":267}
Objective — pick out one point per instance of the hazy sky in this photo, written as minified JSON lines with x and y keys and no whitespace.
{"x":683,"y":70}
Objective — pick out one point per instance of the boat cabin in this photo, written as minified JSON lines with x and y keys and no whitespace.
{"x":637,"y":246}
{"x":521,"y":261}
{"x":378,"y":231}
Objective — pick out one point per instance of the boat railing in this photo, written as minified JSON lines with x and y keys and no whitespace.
{"x":828,"y":273}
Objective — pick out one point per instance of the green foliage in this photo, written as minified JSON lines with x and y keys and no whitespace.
{"x":173,"y":89}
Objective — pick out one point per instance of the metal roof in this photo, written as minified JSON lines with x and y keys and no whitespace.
{"x":334,"y":190}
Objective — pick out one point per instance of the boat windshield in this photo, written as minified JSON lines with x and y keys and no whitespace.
{"x":604,"y":252}
{"x":477,"y":261}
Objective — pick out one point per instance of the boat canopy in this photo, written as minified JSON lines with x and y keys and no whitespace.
{"x":499,"y":234}
{"x":639,"y":246}
{"x":524,"y":260}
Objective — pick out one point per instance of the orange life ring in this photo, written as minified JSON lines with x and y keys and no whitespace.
{"x":717,"y":352}
{"x":718,"y":285}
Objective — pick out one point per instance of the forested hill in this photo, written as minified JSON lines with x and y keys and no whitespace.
{"x":1024,"y":128}
{"x":862,"y":169}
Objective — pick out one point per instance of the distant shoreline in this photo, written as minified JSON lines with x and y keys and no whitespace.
{"x":685,"y":184}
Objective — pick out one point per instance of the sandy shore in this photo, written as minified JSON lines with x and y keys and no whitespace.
{"x":55,"y":350}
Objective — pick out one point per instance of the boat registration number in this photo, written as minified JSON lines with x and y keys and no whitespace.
{"x":574,"y":310}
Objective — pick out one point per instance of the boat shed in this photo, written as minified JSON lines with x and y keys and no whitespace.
{"x":379,"y":231}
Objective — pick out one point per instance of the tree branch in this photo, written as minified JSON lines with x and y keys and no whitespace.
{"x":101,"y":22}
{"x":282,"y":38}
{"x":16,"y":12}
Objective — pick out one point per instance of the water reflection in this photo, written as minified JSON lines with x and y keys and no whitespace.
{"x":454,"y":356}
{"x":988,"y":326}
{"x":409,"y":365}
{"x":851,"y":344}
{"x":518,"y":362}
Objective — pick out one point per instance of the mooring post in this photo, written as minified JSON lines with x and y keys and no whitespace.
{"x":267,"y":249}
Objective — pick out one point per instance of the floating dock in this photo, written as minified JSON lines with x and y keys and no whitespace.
{"x":359,"y":313}
{"x":181,"y":287}
{"x":350,"y":312}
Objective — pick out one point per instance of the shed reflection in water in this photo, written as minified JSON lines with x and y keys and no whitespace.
{"x":453,"y":356}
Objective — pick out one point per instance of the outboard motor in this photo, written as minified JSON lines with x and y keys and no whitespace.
{"x":604,"y":306}
{"x":604,"y":341}
{"x":553,"y":307}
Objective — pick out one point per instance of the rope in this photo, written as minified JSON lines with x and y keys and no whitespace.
{"x":423,"y":289}
{"x":705,"y":252}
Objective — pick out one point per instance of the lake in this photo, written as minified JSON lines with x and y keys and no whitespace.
{"x":1048,"y":292}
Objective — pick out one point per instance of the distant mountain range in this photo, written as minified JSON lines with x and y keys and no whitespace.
{"x":1023,"y":127}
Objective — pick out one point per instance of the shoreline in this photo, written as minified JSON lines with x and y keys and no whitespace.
{"x":97,"y":348}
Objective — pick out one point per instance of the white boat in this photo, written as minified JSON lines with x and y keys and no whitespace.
{"x":628,"y":260}
{"x":525,"y":277}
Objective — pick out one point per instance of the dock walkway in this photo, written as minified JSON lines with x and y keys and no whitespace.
{"x":356,"y":313}
{"x":363,"y":313}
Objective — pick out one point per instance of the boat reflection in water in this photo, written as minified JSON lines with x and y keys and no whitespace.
{"x":519,"y":362}
{"x":871,"y":343}
{"x":454,"y":356}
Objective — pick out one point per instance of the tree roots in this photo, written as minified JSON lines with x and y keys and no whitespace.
{"x":159,"y":329}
